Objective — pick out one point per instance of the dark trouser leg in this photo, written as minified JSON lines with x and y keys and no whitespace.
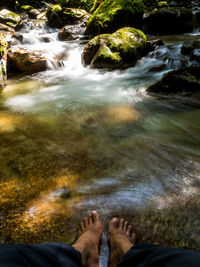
{"x":149,"y":255}
{"x":39,"y":255}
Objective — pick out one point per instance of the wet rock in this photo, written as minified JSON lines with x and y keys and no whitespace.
{"x":153,"y":45}
{"x":9,"y":18}
{"x":45,"y":39}
{"x":26,"y":61}
{"x":70,"y":32}
{"x":6,"y":28}
{"x":66,"y":16}
{"x":33,"y":13}
{"x":168,"y":20}
{"x":173,"y":4}
{"x":119,"y":50}
{"x":183,"y":80}
{"x":191,"y":49}
{"x":15,"y":38}
{"x":63,"y":193}
{"x":3,"y":61}
{"x":113,"y":15}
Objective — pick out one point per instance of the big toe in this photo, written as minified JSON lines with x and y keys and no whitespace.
{"x":95,"y":216}
{"x":114,"y":223}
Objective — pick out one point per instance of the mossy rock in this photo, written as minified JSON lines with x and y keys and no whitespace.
{"x":168,"y":20}
{"x":9,"y":18}
{"x":57,"y":8}
{"x":25,"y":8}
{"x":34,"y":13}
{"x":119,"y":50}
{"x":3,"y":45}
{"x":3,"y":60}
{"x":183,"y":80}
{"x":6,"y":28}
{"x":115,"y":14}
{"x":66,"y":16}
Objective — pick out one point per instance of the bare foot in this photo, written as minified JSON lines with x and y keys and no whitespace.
{"x":90,"y":233}
{"x":121,"y":239}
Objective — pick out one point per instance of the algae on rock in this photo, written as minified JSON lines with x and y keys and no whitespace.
{"x":119,"y":50}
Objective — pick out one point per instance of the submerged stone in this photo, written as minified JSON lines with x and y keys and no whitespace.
{"x":119,"y":50}
{"x":183,"y":80}
{"x":115,"y":14}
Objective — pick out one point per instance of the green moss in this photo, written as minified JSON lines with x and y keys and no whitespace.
{"x":26,"y":8}
{"x":107,"y":54}
{"x":3,"y":44}
{"x":114,"y":14}
{"x":7,"y":16}
{"x":57,"y":8}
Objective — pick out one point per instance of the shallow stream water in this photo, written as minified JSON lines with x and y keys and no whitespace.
{"x":75,"y":139}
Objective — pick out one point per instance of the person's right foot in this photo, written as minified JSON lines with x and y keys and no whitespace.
{"x":90,"y":233}
{"x":121,"y":239}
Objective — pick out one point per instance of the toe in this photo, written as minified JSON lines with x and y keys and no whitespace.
{"x":86,"y":222}
{"x":95,"y":216}
{"x":133,"y":237}
{"x":129,"y":230}
{"x":90,"y":218}
{"x":121,"y":224}
{"x":79,"y":233}
{"x":114,"y":223}
{"x":125,"y":226}
{"x":82,"y":227}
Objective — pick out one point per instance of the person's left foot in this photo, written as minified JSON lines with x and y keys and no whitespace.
{"x":90,"y":233}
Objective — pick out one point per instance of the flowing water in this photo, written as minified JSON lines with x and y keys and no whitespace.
{"x":75,"y":139}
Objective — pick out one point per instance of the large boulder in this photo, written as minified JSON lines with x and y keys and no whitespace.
{"x":60,"y":17}
{"x":168,"y":20}
{"x":3,"y":61}
{"x":115,"y":14}
{"x":26,"y":61}
{"x":119,"y":50}
{"x":9,"y":18}
{"x":183,"y":80}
